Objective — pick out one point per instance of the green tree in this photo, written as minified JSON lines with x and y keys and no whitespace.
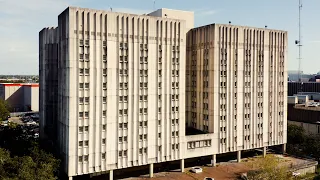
{"x":4,"y":112}
{"x":295,"y":134}
{"x":268,"y":168}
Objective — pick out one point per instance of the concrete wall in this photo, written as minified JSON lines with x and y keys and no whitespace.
{"x":310,"y":128}
{"x":188,"y":16}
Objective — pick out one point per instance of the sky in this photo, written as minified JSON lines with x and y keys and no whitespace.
{"x":21,"y":21}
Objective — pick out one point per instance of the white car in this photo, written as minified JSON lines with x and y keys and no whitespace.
{"x":31,"y":123}
{"x":196,"y":169}
{"x":295,"y":174}
{"x":36,"y":135}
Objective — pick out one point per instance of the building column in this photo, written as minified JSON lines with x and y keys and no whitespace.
{"x":239,"y":156}
{"x":111,"y":175}
{"x":264,"y":150}
{"x":70,"y":177}
{"x":151,"y":170}
{"x":182,"y":165}
{"x":284,"y":148}
{"x":214,"y":160}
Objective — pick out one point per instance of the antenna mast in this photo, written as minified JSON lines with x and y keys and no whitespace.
{"x":154,"y":4}
{"x":299,"y":41}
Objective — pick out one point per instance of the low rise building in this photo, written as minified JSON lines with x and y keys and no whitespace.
{"x":20,"y":97}
{"x":306,"y":114}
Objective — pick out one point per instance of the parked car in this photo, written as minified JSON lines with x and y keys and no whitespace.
{"x":196,"y":169}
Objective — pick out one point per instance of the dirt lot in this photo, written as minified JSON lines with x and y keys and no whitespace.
{"x":224,"y":171}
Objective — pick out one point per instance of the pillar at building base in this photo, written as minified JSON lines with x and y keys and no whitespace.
{"x":284,"y":148}
{"x":264,"y":150}
{"x":151,"y":170}
{"x":182,"y":165}
{"x":214,"y":160}
{"x":70,"y":177}
{"x":239,"y":156}
{"x":111,"y":175}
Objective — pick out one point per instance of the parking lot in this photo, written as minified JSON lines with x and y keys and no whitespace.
{"x":29,"y":122}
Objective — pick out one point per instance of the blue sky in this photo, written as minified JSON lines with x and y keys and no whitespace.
{"x":21,"y":20}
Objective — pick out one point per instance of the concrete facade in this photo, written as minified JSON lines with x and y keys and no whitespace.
{"x":48,"y":77}
{"x":122,"y":89}
{"x":237,"y":86}
{"x":121,"y":76}
{"x":20,"y":97}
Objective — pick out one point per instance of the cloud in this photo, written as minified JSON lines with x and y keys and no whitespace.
{"x":206,"y":13}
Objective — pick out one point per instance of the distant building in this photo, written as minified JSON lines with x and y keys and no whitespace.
{"x":295,"y":87}
{"x":20,"y":97}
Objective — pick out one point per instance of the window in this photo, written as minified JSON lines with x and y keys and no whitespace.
{"x":81,"y":143}
{"x":86,"y":85}
{"x":125,"y":138}
{"x":86,"y":128}
{"x":86,"y":71}
{"x":86,"y":114}
{"x":159,"y":135}
{"x":80,"y":159}
{"x":145,"y":137}
{"x":104,"y":85}
{"x":86,"y":157}
{"x":159,"y":84}
{"x":103,"y":155}
{"x":80,"y":129}
{"x":104,"y":127}
{"x":120,"y":125}
{"x":145,"y":123}
{"x":120,"y":139}
{"x":86,"y":143}
{"x":145,"y":150}
{"x":81,"y":87}
{"x":86,"y":100}
{"x":140,"y":136}
{"x":120,"y":153}
{"x":140,"y":151}
{"x":81,"y":71}
{"x":104,"y":113}
{"x":159,"y":109}
{"x":103,"y":141}
{"x":125,"y":153}
{"x":125,"y":125}
{"x":81,"y":100}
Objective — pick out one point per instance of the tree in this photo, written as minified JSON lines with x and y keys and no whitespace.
{"x":4,"y":112}
{"x":295,"y":134}
{"x":268,"y":168}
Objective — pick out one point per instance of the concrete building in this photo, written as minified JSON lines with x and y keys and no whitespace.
{"x":20,"y":97}
{"x":237,"y":86}
{"x":307,"y":117}
{"x":122,"y":89}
